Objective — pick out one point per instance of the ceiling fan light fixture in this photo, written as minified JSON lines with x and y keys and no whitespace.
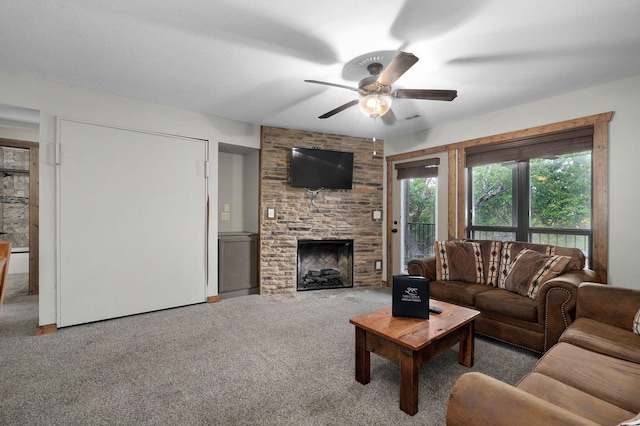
{"x":375,"y":105}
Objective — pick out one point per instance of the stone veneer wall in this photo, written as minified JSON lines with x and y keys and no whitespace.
{"x":335,"y":214}
{"x":14,"y":196}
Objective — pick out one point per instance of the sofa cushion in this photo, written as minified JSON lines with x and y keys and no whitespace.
{"x":573,"y":400}
{"x":457,"y":292}
{"x":610,"y":379}
{"x":459,"y":261}
{"x":530,"y":269}
{"x":635,"y":421}
{"x":492,"y":263}
{"x":478,"y":399}
{"x":510,"y":250}
{"x":603,"y":338}
{"x":578,"y":259}
{"x":636,"y":323}
{"x":491,"y":252}
{"x":508,"y":304}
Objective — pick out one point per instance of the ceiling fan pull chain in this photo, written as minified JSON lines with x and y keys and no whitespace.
{"x":374,"y":137}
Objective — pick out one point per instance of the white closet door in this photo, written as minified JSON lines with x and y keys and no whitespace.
{"x":132,"y":231}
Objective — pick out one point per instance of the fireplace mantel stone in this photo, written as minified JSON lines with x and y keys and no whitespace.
{"x":334,"y":214}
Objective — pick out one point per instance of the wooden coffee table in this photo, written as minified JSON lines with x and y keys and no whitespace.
{"x":412,"y":342}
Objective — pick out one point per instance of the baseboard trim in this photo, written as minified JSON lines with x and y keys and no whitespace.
{"x":46,"y":329}
{"x":213,"y":299}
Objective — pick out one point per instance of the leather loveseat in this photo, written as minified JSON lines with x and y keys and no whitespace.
{"x":591,"y":377}
{"x":526,"y":299}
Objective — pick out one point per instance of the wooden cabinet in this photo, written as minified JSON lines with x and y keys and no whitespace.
{"x":237,"y":264}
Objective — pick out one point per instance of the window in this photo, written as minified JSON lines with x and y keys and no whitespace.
{"x":537,"y":190}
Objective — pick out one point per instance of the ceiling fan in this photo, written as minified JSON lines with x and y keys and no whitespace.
{"x":376,"y":91}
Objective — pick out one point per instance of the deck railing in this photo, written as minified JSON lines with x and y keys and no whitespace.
{"x":418,"y":239}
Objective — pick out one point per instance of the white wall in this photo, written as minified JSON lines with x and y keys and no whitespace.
{"x":19,"y":134}
{"x":230,"y":191}
{"x":251,"y":191}
{"x":238,"y":186}
{"x":623,"y":98}
{"x":54,"y":99}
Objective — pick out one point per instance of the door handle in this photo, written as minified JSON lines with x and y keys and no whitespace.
{"x":394,"y":230}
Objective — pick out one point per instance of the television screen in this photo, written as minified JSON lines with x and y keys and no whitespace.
{"x":321,"y":168}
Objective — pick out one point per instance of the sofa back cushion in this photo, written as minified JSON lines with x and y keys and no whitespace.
{"x":510,"y":249}
{"x":492,"y":269}
{"x":530,"y":269}
{"x":491,"y":251}
{"x":459,"y":261}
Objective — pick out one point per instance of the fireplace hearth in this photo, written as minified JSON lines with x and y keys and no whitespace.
{"x":324,"y":264}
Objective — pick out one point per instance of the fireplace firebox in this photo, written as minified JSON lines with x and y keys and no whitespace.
{"x":324,"y":264}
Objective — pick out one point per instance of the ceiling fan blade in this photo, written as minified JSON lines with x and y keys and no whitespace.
{"x":433,"y":95}
{"x":400,"y":64}
{"x":339,"y":109}
{"x":389,"y":118}
{"x":355,"y":89}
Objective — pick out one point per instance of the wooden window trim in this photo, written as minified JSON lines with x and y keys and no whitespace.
{"x":457,"y":181}
{"x":557,"y":143}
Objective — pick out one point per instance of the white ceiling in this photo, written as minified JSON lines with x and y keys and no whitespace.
{"x":247,"y":59}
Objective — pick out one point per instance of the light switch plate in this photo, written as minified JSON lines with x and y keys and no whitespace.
{"x":376,"y":215}
{"x":271,"y":213}
{"x":225,"y":216}
{"x":378,"y":265}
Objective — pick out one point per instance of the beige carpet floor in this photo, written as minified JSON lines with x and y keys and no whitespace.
{"x":251,"y":360}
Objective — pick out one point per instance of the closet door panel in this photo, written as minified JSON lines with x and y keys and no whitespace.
{"x":132,"y":225}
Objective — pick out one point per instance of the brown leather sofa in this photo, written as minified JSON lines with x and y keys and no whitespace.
{"x":591,"y":377}
{"x":532,"y":323}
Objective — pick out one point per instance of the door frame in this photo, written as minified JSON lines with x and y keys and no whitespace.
{"x":393,"y":204}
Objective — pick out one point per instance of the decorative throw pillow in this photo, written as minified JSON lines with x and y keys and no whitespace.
{"x":491,"y":253}
{"x":493,"y":272}
{"x":636,"y":323}
{"x":510,"y":249}
{"x":530,"y":269}
{"x":459,"y":261}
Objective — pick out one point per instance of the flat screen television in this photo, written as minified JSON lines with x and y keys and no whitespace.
{"x":321,"y":168}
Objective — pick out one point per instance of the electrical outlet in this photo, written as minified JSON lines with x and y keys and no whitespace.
{"x":225,"y":216}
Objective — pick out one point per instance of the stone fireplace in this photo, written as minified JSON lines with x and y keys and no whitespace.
{"x":289,"y":215}
{"x":324,"y":264}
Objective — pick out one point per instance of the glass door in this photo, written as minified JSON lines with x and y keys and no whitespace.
{"x":417,"y":218}
{"x":419,"y":198}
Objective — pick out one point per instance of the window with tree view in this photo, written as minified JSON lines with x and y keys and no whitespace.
{"x":542,"y":199}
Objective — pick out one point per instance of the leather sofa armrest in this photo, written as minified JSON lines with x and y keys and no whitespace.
{"x":425,"y":267}
{"x":478,"y":399}
{"x":611,"y":305}
{"x":569,"y":282}
{"x":557,"y":299}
